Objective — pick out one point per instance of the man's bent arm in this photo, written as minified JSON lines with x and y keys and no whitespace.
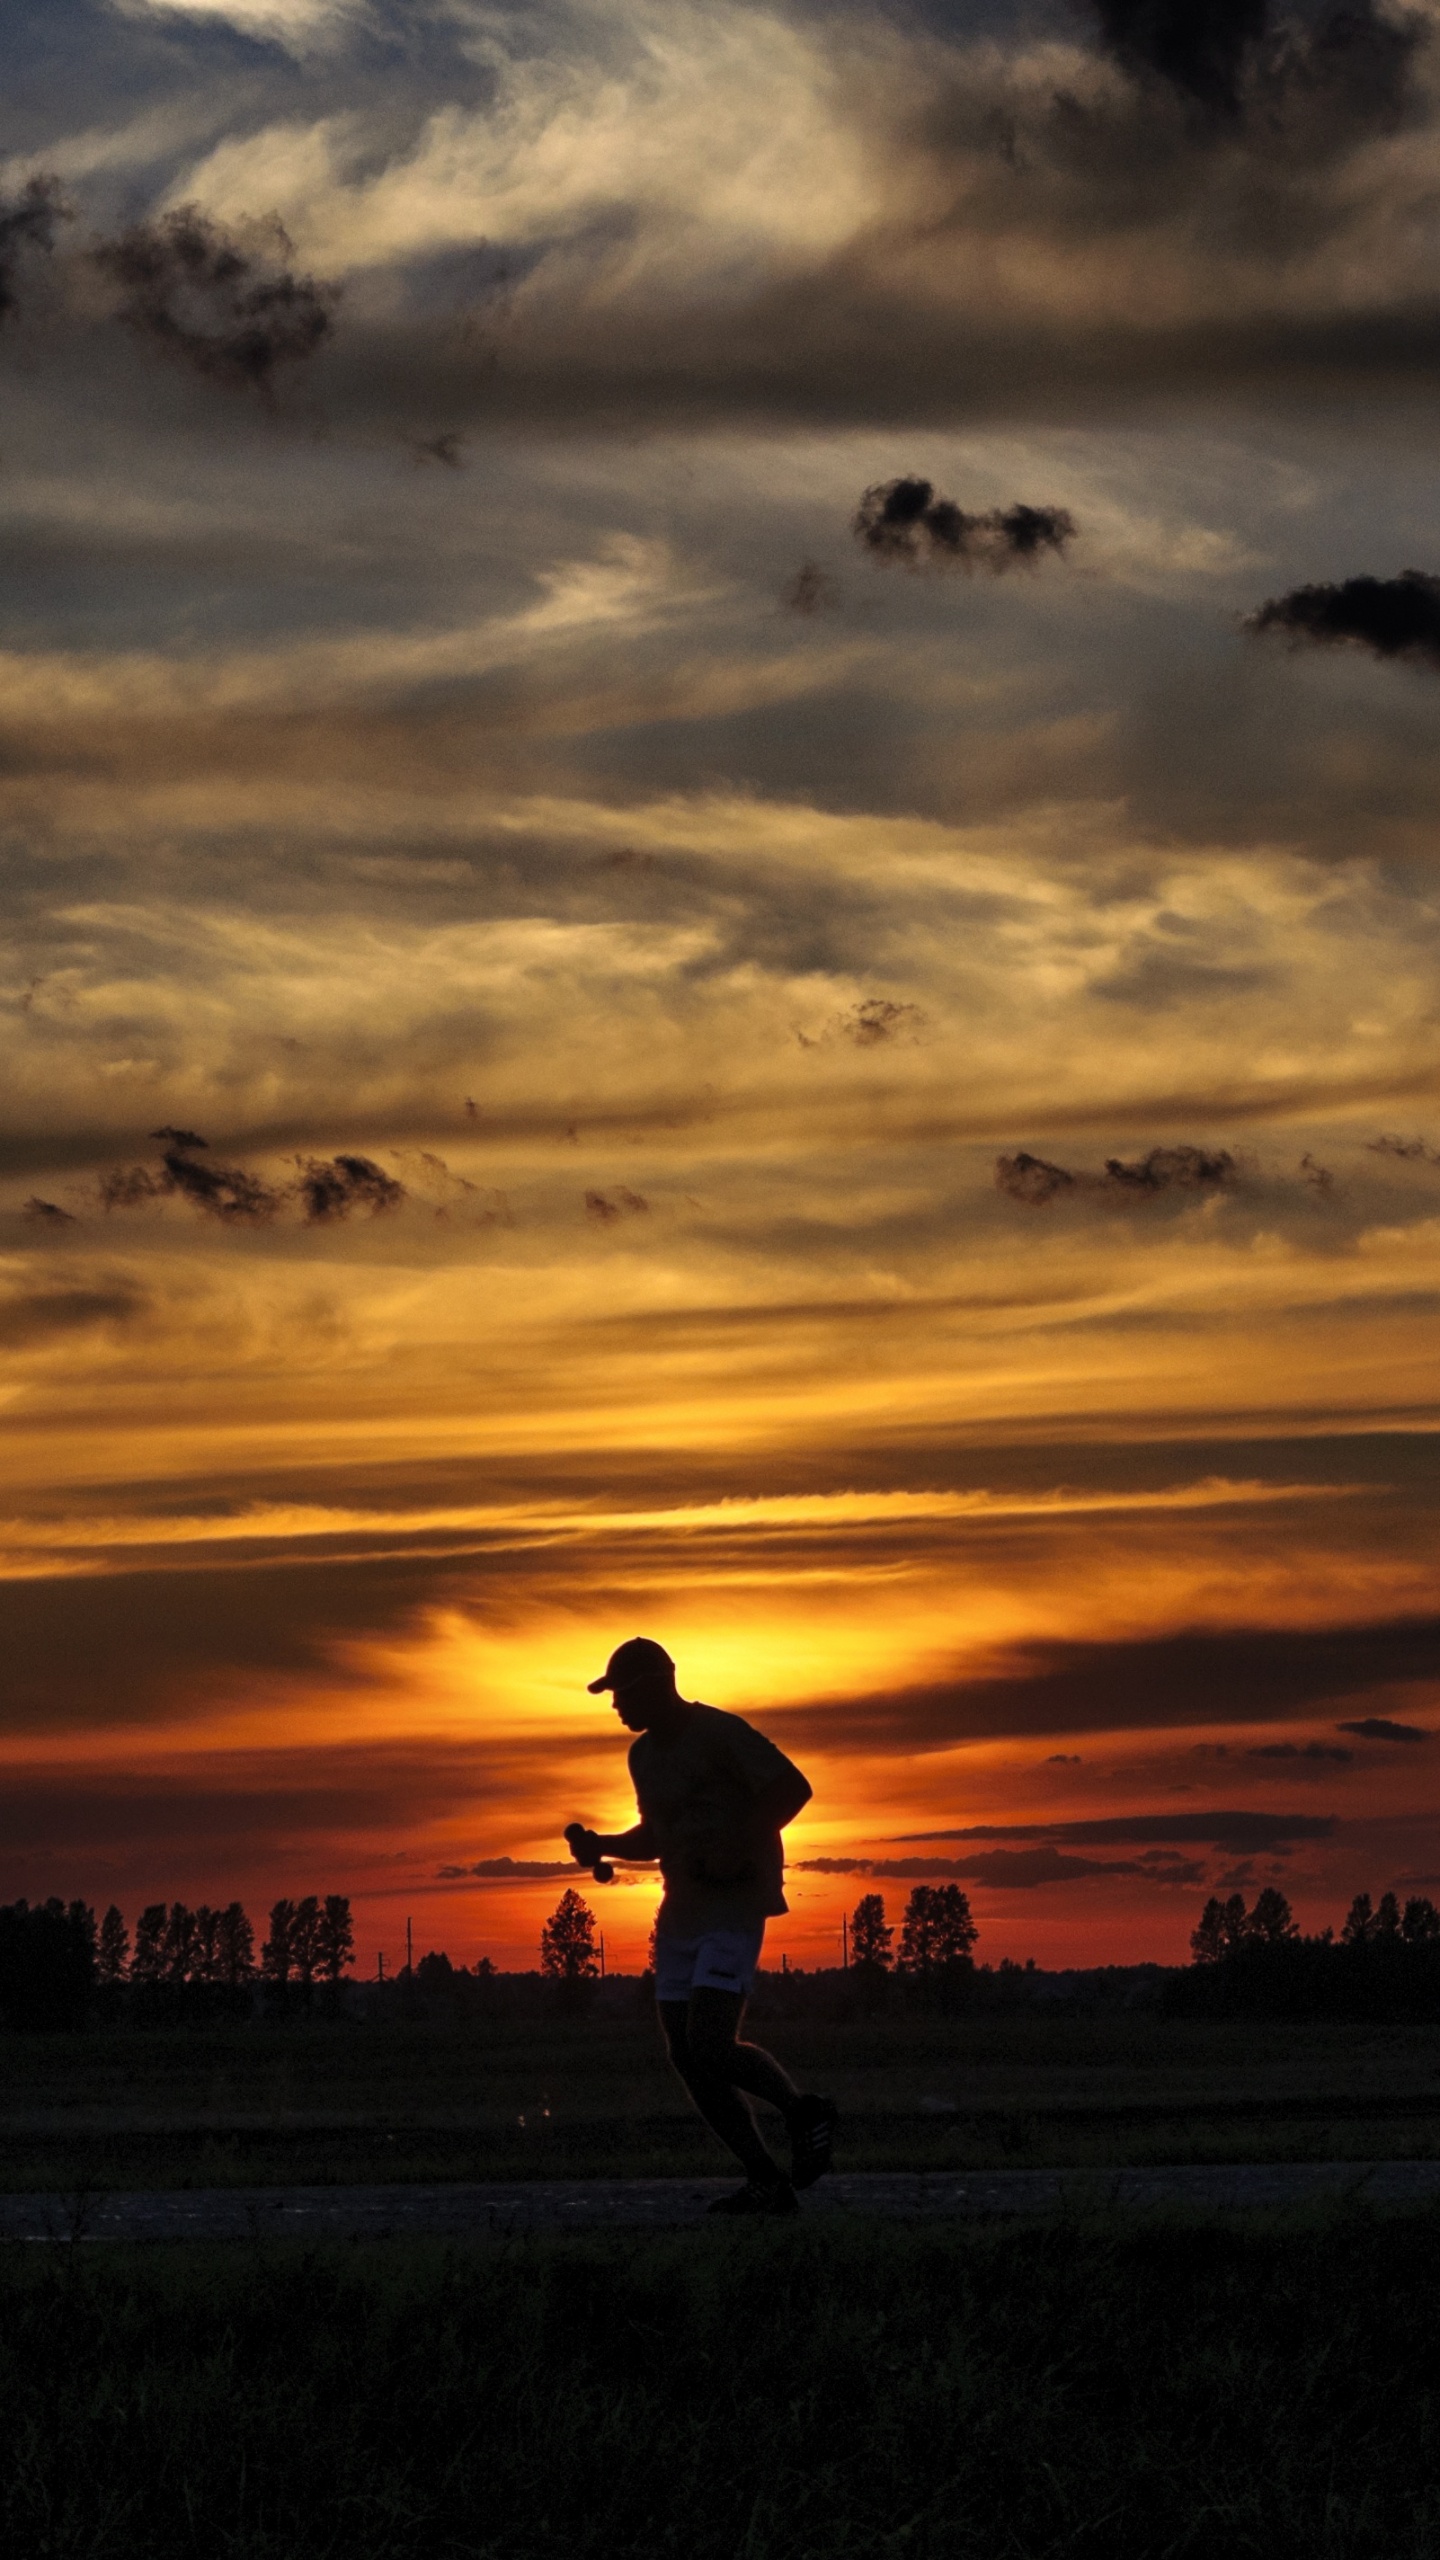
{"x":635,"y":1846}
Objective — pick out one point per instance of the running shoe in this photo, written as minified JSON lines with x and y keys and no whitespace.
{"x":812,"y":2139}
{"x":773,"y":2195}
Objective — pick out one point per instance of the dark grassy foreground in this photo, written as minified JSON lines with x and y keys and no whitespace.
{"x":1088,"y":2388}
{"x":590,"y":2096}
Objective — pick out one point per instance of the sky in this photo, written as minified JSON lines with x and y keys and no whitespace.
{"x":719,"y":739}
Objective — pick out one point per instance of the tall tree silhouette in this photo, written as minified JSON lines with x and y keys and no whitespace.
{"x":148,"y":1962}
{"x":1271,"y":1918}
{"x":234,"y":1946}
{"x":335,"y":1937}
{"x":277,"y":1961}
{"x":568,"y":1950}
{"x":305,"y":1942}
{"x":872,"y":1939}
{"x":112,"y":1952}
{"x":938,"y":1931}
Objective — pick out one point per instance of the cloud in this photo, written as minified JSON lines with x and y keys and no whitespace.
{"x":812,"y":590}
{"x":208,"y":1810}
{"x":1024,"y":1868}
{"x":1172,"y":1169}
{"x":1300,"y":1751}
{"x":227,"y":1192}
{"x":448,"y":450}
{"x":1233,"y":57}
{"x":330,"y":1187}
{"x":225,"y":301}
{"x":1384,"y":1729}
{"x":904,"y":520}
{"x":1239,"y":1830}
{"x":1033,"y":1180}
{"x":1201,"y":47}
{"x":27,"y":221}
{"x":514,"y":1870}
{"x":1204,"y":1677}
{"x":39,"y":1315}
{"x":603,"y":1208}
{"x":46,"y":1213}
{"x":1392,"y":617}
{"x":1409,"y":1150}
{"x":223,"y":1191}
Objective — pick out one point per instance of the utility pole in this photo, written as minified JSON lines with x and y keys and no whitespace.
{"x":602,"y":1955}
{"x":381,"y":1975}
{"x":844,"y":1943}
{"x":409,"y":1950}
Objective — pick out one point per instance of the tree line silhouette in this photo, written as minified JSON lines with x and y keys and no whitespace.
{"x":1384,"y":1962}
{"x":58,"y":1966}
{"x":937,"y":1936}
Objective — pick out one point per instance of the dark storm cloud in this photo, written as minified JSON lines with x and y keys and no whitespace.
{"x":223,"y":1191}
{"x":226,"y":302}
{"x":137,"y":1647}
{"x":330,"y":1188}
{"x":604,"y":1208}
{"x":1301,"y":1751}
{"x":448,"y":450}
{"x":1235,"y":59}
{"x":812,"y":590}
{"x":227,"y":1192}
{"x":1383,"y":1729}
{"x":1244,"y":1675}
{"x":1243,"y":1832}
{"x":905,"y":520}
{"x":28,"y":222}
{"x":327,"y":1188}
{"x":1200,"y":46}
{"x":39,"y":1315}
{"x":1006,"y":1867}
{"x":243,"y":1804}
{"x":514,"y":1870}
{"x":1409,"y":1150}
{"x":1392,"y":617}
{"x":1034,"y":1180}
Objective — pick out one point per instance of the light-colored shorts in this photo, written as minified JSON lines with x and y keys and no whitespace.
{"x":720,"y":1960}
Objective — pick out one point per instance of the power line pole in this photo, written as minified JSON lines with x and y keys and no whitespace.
{"x":409,"y":1950}
{"x":844,"y":1943}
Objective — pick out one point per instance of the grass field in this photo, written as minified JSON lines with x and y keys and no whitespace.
{"x":591,"y":2096}
{"x":1176,"y":2390}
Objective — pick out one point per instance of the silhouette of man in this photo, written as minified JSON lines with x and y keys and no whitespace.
{"x":714,"y":1796}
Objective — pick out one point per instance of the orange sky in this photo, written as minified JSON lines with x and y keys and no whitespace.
{"x":478,"y":749}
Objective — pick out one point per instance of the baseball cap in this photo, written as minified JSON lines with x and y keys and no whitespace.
{"x":639,"y":1658}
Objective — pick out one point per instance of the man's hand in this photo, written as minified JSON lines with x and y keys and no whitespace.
{"x":587,"y":1850}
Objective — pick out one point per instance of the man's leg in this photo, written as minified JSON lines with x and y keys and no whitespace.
{"x":747,"y":2066}
{"x":700,"y":2033}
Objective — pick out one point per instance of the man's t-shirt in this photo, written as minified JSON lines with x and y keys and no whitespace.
{"x":695,"y":1789}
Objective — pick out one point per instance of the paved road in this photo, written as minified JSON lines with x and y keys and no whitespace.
{"x":601,"y":2204}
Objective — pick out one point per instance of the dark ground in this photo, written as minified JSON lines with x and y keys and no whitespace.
{"x":1174,"y":2389}
{"x":344,"y":2102}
